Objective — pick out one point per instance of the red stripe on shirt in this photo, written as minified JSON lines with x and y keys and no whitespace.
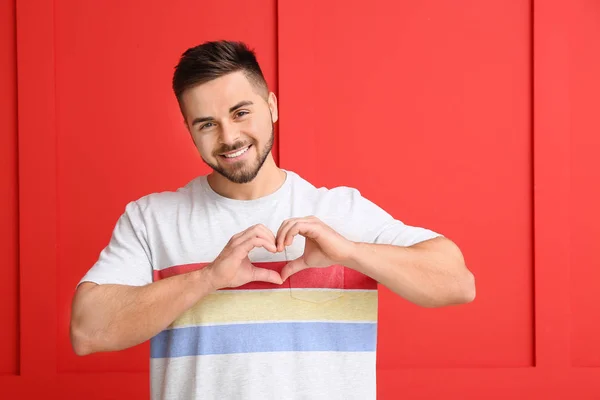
{"x":324,"y":278}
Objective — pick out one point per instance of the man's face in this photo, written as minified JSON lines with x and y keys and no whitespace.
{"x":231,"y":123}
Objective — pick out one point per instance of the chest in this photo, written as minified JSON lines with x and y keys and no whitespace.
{"x":200,"y":234}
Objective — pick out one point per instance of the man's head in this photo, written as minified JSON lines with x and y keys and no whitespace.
{"x":227,"y":107}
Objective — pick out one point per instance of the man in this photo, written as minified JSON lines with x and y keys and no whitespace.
{"x":250,"y":282}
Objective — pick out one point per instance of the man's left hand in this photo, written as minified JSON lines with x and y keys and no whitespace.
{"x":323,"y":246}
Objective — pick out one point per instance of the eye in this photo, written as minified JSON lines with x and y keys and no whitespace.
{"x":241,"y":113}
{"x":207,"y":125}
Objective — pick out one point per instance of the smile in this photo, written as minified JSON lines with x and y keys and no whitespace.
{"x":237,"y":153}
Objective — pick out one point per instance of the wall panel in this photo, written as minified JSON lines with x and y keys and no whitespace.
{"x":584,"y":64}
{"x":426,"y":108}
{"x":474,"y":119}
{"x":120,"y":132}
{"x":9,"y":194}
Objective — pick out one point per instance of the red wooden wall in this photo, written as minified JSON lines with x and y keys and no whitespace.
{"x":477,"y":119}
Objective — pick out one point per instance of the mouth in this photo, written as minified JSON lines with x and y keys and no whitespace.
{"x":235,"y":155}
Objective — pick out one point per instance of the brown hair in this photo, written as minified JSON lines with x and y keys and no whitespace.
{"x":212,"y":60}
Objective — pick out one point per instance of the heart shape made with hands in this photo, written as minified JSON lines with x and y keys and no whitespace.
{"x":323,"y":245}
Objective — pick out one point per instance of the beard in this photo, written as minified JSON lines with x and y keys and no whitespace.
{"x":243,"y":171}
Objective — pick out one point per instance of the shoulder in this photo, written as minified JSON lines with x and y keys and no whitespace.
{"x":322,"y":192}
{"x":329,"y":199}
{"x":168,"y":202}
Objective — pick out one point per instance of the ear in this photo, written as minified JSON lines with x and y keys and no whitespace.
{"x":273,"y":107}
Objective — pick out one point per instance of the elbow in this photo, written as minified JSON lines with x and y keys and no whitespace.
{"x":464,"y":280}
{"x":80,"y":330}
{"x":81,"y":348}
{"x":80,"y":341}
{"x":460,"y":290}
{"x":467,"y":291}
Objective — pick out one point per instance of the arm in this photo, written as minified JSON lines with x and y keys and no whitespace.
{"x":118,"y":306}
{"x":113,"y":317}
{"x":416,"y":263}
{"x":431,"y":273}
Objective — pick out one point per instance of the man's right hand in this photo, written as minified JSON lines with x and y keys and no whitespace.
{"x":114,"y":317}
{"x":232,"y":267}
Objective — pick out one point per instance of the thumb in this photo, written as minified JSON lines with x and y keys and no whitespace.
{"x":292,"y":267}
{"x":266,"y":275}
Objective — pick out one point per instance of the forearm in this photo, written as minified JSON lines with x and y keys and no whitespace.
{"x":429,"y":274}
{"x":116,"y":317}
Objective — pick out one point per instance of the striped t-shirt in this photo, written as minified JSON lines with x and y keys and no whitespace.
{"x":313,"y":337}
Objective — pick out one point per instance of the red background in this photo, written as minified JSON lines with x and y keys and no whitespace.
{"x":476,"y":119}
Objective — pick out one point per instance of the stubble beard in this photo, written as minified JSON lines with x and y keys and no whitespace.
{"x":245,"y":171}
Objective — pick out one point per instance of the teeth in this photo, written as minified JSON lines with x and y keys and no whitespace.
{"x":236,"y":154}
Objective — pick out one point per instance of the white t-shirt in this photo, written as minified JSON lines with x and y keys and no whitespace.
{"x":313,"y":337}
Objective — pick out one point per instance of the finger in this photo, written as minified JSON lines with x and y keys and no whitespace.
{"x":291,"y":268}
{"x":306,"y":229}
{"x":259,"y":230}
{"x":278,"y":241}
{"x":283,"y":224}
{"x":282,"y":232}
{"x":268,"y":234}
{"x":266,"y":275}
{"x":253,"y":242}
{"x":243,"y":235}
{"x":262,"y":231}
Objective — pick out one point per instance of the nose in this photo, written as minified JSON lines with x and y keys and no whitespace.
{"x":229,"y":134}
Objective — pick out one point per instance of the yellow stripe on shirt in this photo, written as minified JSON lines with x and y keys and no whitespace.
{"x":282,"y":305}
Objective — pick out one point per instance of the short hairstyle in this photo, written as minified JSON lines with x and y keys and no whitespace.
{"x":214,"y":59}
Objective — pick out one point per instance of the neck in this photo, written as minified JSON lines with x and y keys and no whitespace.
{"x":268,"y":180}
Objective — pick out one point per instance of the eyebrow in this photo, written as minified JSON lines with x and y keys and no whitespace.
{"x":232,"y":109}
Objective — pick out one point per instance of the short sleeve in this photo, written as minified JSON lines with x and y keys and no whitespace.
{"x":126,"y":259}
{"x":379,"y":227}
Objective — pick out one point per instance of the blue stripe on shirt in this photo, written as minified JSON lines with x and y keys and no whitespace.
{"x":264,"y":337}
